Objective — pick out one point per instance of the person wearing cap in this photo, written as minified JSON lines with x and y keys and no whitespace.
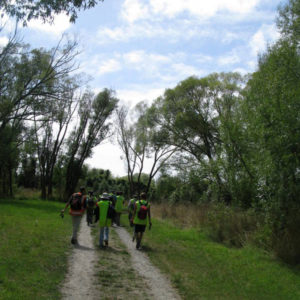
{"x":105,"y":220}
{"x":77,"y":203}
{"x":140,"y":217}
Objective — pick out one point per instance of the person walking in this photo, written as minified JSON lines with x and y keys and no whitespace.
{"x":119,"y":207}
{"x":105,"y":219}
{"x":77,"y":203}
{"x":141,"y":216}
{"x":90,"y":205}
{"x":130,"y":208}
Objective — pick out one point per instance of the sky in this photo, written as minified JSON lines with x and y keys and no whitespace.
{"x":139,"y":48}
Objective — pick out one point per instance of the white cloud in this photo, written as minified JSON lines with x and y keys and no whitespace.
{"x":136,"y":94}
{"x":133,"y":10}
{"x":60,"y":24}
{"x":182,"y":70}
{"x":266,"y":34}
{"x":3,"y":41}
{"x":109,"y":66}
{"x":178,"y":30}
{"x":229,"y":59}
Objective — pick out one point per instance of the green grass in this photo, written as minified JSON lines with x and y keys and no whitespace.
{"x":34,"y":244}
{"x":203,"y":269}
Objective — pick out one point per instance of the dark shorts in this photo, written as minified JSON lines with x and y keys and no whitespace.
{"x":139,"y":228}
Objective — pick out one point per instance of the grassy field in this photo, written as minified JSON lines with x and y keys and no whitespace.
{"x":203,"y":269}
{"x":34,"y":244}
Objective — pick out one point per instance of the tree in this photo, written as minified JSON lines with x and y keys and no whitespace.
{"x":31,"y":81}
{"x":45,"y":9}
{"x":93,"y":128}
{"x":190,"y":113}
{"x":50,"y":132}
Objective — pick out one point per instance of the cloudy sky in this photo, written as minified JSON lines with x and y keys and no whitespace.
{"x":141,"y":47}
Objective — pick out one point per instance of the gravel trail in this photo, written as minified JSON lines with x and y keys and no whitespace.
{"x":160,"y":287}
{"x":80,"y":282}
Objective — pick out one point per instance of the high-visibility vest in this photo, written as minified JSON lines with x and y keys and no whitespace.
{"x":103,"y":207}
{"x":119,"y":204}
{"x":136,"y":219}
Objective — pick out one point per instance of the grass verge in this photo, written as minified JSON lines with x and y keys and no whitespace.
{"x":34,"y":244}
{"x":202,"y":269}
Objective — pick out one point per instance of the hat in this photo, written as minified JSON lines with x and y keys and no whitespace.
{"x":105,"y":196}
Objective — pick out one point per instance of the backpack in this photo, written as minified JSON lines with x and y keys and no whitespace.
{"x":76,"y":201}
{"x":143,"y":211}
{"x":90,"y":202}
{"x":110,"y":212}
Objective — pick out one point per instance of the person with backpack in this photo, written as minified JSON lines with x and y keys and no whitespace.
{"x":119,"y":207}
{"x":130,"y":208}
{"x":90,"y":205}
{"x":77,"y":203}
{"x":106,"y":215}
{"x":141,"y":216}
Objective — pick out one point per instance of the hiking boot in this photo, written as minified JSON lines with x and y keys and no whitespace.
{"x":74,"y":241}
{"x":106,"y":243}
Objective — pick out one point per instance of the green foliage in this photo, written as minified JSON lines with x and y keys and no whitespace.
{"x":46,"y":9}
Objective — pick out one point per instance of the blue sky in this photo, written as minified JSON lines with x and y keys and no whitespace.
{"x":139,"y":48}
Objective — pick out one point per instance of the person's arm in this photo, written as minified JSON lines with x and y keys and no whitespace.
{"x":67,"y":204}
{"x":134,"y":212}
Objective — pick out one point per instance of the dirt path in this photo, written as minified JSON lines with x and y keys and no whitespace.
{"x":119,"y":272}
{"x":80,"y":282}
{"x":160,"y":287}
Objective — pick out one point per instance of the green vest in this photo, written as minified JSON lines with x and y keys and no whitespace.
{"x":103,"y":207}
{"x":119,"y":204}
{"x":136,"y":219}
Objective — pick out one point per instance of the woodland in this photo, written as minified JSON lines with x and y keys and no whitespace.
{"x":225,"y":138}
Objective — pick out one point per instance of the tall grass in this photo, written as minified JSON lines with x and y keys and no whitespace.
{"x":231,"y":226}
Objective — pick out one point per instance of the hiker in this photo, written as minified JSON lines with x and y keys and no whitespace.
{"x":130,"y":208}
{"x":106,"y":214}
{"x":141,"y":216}
{"x":77,"y":202}
{"x":90,"y":205}
{"x":119,"y":207}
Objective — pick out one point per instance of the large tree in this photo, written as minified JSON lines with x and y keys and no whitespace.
{"x":93,"y":128}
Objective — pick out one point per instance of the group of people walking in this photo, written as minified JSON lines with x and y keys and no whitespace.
{"x":107,"y":209}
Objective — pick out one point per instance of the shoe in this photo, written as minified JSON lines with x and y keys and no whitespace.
{"x":138,"y":245}
{"x":101,"y":247}
{"x":74,"y":241}
{"x":106,"y":243}
{"x":133,"y":238}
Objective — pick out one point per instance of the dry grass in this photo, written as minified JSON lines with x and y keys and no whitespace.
{"x":186,"y":215}
{"x":224,"y":224}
